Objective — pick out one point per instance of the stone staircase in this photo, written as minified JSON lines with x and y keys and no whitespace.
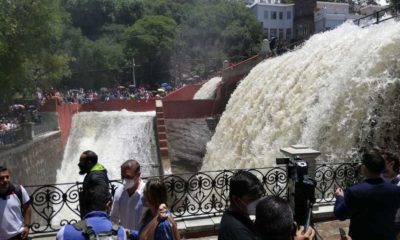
{"x":162,"y":138}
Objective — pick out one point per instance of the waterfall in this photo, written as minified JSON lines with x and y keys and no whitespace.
{"x":338,"y":93}
{"x":207,"y":90}
{"x":115,"y":137}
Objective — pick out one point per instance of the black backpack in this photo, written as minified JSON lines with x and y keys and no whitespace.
{"x":90,"y":234}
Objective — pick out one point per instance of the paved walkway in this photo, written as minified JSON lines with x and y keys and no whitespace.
{"x":327,"y":230}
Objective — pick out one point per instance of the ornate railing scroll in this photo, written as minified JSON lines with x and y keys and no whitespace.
{"x":208,"y":192}
{"x":190,"y":194}
{"x":329,"y":177}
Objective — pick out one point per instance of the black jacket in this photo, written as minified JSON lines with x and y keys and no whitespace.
{"x":95,"y":187}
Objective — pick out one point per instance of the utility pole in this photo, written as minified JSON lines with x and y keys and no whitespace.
{"x":133,"y":72}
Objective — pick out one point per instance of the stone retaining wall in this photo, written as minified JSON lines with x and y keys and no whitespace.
{"x":35,"y":162}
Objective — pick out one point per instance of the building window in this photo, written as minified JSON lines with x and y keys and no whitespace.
{"x":262,"y":24}
{"x":265,"y":14}
{"x":266,"y":33}
{"x":289,"y":15}
{"x":281,"y":15}
{"x":280,"y":33}
{"x":288,"y":33}
{"x":273,"y":32}
{"x":273,"y":15}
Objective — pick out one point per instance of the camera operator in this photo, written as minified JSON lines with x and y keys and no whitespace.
{"x":371,"y":205}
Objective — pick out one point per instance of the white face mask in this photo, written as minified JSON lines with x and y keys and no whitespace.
{"x":128,"y":183}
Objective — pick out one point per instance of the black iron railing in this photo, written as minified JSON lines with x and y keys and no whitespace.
{"x":191,"y":194}
{"x":379,"y":16}
{"x":329,"y":177}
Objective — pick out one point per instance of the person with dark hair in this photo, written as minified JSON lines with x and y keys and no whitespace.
{"x":391,"y":174}
{"x":15,"y":208}
{"x":372,"y":204}
{"x":95,"y":223}
{"x":96,"y":180}
{"x":274,"y":221}
{"x":157,"y":222}
{"x":127,"y":207}
{"x":244,"y":190}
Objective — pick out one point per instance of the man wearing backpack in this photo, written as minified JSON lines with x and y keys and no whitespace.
{"x":15,"y":210}
{"x":96,"y":225}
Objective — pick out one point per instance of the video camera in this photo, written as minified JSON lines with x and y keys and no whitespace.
{"x":301,"y":188}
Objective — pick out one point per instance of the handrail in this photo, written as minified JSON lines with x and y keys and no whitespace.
{"x":378,"y":16}
{"x":189,"y":194}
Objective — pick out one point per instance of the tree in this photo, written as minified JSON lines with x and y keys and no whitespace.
{"x":29,"y":34}
{"x":150,"y":41}
{"x":215,"y":30}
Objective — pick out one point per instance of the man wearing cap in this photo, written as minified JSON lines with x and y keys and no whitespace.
{"x":244,"y":191}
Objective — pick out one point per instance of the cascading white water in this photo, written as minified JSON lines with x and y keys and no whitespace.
{"x":338,"y":93}
{"x":115,"y":137}
{"x":207,"y":90}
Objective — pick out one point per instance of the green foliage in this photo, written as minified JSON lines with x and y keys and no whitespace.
{"x":216,"y":30}
{"x":29,"y":34}
{"x":151,"y":40}
{"x":90,"y":43}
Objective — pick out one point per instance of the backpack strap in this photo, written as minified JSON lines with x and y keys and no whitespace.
{"x":86,"y":230}
{"x":18,"y":192}
{"x":115,"y":228}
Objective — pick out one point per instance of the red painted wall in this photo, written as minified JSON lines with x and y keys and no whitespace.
{"x":188,"y":109}
{"x":65,"y":114}
{"x":184,"y":93}
{"x":117,"y":105}
{"x":67,"y":111}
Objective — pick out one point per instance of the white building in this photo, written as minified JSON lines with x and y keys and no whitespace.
{"x":276,"y":19}
{"x":329,"y":15}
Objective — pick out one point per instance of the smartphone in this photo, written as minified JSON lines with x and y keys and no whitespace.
{"x":342,"y":234}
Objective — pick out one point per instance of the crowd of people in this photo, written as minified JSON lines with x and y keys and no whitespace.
{"x":139,"y":208}
{"x":83,"y":96}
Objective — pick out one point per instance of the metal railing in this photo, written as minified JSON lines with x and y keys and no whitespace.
{"x":192,"y":194}
{"x":11,"y":138}
{"x":379,"y":16}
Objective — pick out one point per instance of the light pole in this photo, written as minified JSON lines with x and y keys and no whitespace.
{"x":133,"y":71}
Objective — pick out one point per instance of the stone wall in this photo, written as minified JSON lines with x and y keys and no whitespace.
{"x":187,"y":140}
{"x":35,"y":162}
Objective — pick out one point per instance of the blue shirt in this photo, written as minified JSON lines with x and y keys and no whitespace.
{"x":98,"y":220}
{"x":163,"y":230}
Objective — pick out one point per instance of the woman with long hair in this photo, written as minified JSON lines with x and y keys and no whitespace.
{"x":157,"y":222}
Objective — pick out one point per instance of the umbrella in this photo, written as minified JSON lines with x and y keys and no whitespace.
{"x":103,"y":89}
{"x":17,"y":106}
{"x":121,"y":87}
{"x":161,"y":90}
{"x":164,"y":85}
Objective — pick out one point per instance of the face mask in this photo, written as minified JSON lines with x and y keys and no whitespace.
{"x":128,"y":183}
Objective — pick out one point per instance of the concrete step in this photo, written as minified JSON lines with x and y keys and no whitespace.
{"x":160,"y":128}
{"x":162,"y":136}
{"x":160,"y":114}
{"x":160,"y":121}
{"x":164,"y":151}
{"x":163,"y":143}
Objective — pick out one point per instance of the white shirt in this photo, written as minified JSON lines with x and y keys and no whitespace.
{"x":11,"y":220}
{"x":128,"y":210}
